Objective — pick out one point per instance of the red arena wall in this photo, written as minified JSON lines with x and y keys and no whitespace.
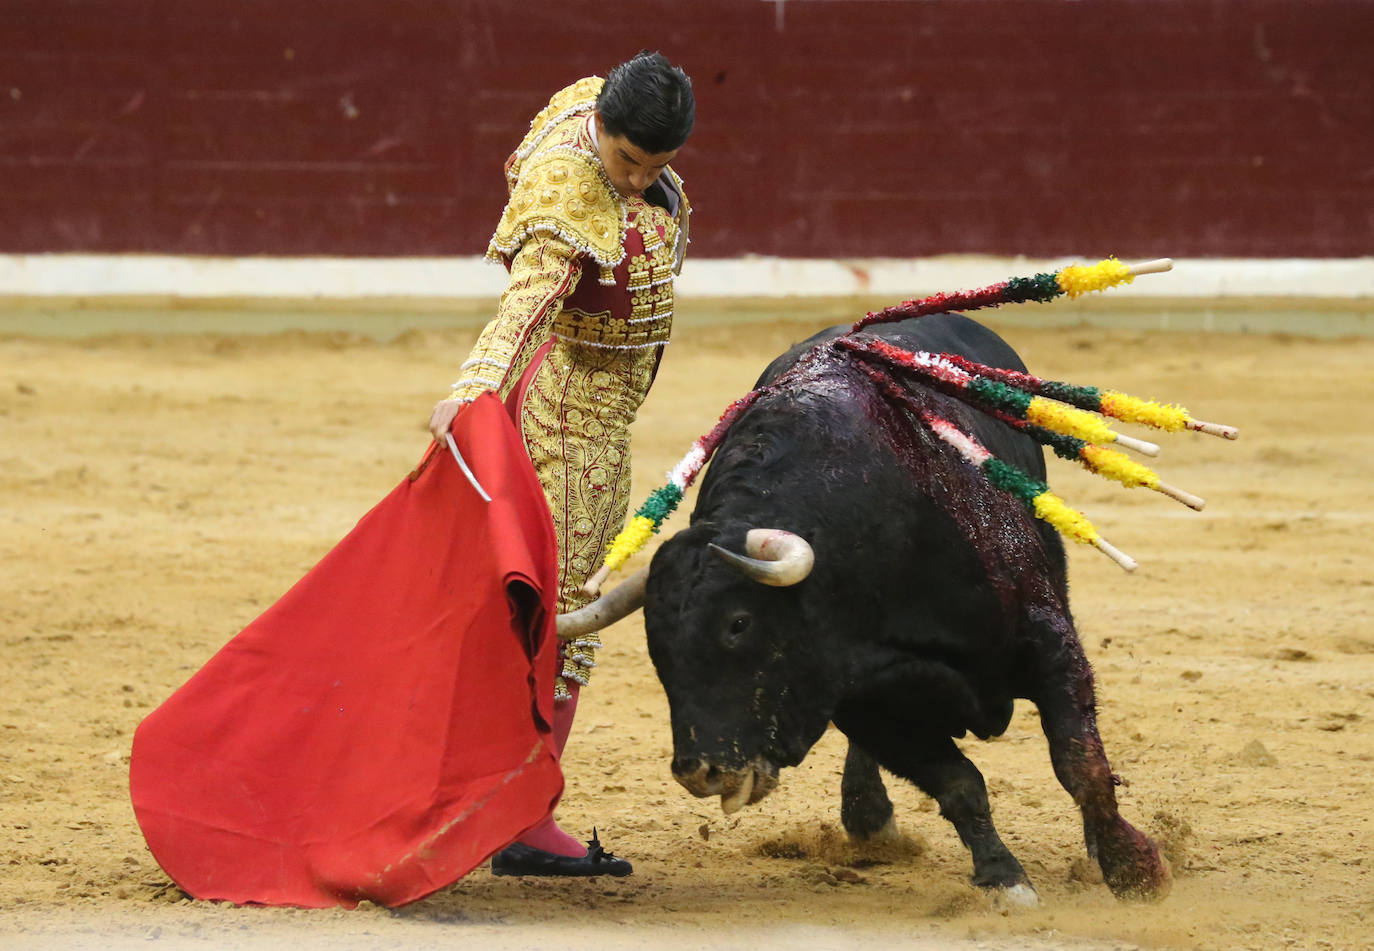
{"x":826,"y":128}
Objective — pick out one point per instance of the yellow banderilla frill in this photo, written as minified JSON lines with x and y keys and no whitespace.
{"x":1078,"y":279}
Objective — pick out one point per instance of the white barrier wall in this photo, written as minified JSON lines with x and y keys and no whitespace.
{"x":85,"y":275}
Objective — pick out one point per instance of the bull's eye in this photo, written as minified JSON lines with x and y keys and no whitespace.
{"x":739,"y":625}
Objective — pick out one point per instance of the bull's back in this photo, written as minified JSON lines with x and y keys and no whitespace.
{"x":937,"y":333}
{"x":940,"y":521}
{"x":944,"y":333}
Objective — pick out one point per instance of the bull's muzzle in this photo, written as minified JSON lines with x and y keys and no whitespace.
{"x":736,"y":787}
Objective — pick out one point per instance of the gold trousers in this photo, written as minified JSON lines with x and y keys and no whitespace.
{"x":575,"y":418}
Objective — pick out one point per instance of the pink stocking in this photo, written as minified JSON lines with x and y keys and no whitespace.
{"x":547,"y":835}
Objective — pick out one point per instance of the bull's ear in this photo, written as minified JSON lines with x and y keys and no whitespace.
{"x":775,"y":557}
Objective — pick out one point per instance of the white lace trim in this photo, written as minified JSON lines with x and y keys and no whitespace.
{"x":487,"y":360}
{"x":567,"y":238}
{"x":474,"y":380}
{"x":528,"y":150}
{"x":644,"y":320}
{"x":612,"y":346}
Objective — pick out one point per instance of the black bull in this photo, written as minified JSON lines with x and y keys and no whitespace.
{"x":934,"y":602}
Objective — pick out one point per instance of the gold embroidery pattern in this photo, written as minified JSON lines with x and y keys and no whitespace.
{"x":651,"y":288}
{"x":651,"y":275}
{"x":576,"y":423}
{"x":563,"y":192}
{"x":650,"y":283}
{"x":558,"y":135}
{"x":603,"y":330}
{"x":542,"y":274}
{"x":576,"y":99}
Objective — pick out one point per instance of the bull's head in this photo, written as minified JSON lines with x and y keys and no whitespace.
{"x":726,"y":633}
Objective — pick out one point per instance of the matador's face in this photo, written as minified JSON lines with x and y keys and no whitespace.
{"x":630,"y":168}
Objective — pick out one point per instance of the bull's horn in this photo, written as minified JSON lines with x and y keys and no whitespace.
{"x":620,"y":601}
{"x":776,"y":557}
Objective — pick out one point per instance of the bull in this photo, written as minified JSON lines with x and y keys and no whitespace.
{"x":843,"y":565}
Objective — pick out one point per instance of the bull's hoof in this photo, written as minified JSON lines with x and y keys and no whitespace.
{"x":739,"y":793}
{"x":885,"y":834}
{"x":1015,"y":898}
{"x":1142,"y":884}
{"x":1132,"y":866}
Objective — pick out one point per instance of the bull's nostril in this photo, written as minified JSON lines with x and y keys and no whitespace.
{"x":713,"y":774}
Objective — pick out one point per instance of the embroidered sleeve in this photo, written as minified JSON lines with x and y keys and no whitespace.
{"x":542,"y":273}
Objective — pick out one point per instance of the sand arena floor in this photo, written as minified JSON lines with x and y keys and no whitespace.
{"x":158,"y":491}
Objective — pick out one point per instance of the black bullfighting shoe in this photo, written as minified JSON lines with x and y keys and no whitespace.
{"x":517,"y":859}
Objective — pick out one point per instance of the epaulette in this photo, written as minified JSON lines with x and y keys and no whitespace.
{"x":580,"y":97}
{"x":563,"y":192}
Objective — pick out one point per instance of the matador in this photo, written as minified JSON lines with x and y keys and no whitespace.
{"x":593,"y":234}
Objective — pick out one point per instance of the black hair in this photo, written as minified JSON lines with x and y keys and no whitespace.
{"x":648,"y":101}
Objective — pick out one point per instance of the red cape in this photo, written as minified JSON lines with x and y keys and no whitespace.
{"x":385,"y":726}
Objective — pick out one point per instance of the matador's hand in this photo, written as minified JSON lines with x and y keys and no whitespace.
{"x":442,"y":418}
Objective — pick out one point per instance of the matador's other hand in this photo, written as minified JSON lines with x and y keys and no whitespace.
{"x":442,"y":418}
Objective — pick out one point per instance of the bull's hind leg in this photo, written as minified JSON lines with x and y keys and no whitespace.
{"x":940,"y":769}
{"x":1064,"y":694}
{"x":865,"y":810}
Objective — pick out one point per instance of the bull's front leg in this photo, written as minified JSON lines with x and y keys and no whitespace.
{"x":1130,"y":862}
{"x":865,"y":809}
{"x":936,"y":765}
